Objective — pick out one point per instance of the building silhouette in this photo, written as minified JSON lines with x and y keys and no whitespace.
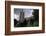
{"x":21,"y":19}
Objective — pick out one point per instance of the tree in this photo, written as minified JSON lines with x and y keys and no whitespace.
{"x":36,"y":14}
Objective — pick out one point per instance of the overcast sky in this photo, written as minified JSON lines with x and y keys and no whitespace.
{"x":27,"y":12}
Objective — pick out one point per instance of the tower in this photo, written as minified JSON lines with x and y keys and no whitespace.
{"x":21,"y":19}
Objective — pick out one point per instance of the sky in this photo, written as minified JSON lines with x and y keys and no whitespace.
{"x":27,"y":12}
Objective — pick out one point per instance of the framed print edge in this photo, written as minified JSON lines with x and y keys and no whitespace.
{"x":8,"y":17}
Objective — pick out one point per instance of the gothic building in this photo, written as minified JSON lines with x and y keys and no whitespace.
{"x":21,"y":19}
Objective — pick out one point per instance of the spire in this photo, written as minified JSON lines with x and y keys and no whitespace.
{"x":21,"y":16}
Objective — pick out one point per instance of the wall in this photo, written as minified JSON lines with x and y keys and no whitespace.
{"x":2,"y":18}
